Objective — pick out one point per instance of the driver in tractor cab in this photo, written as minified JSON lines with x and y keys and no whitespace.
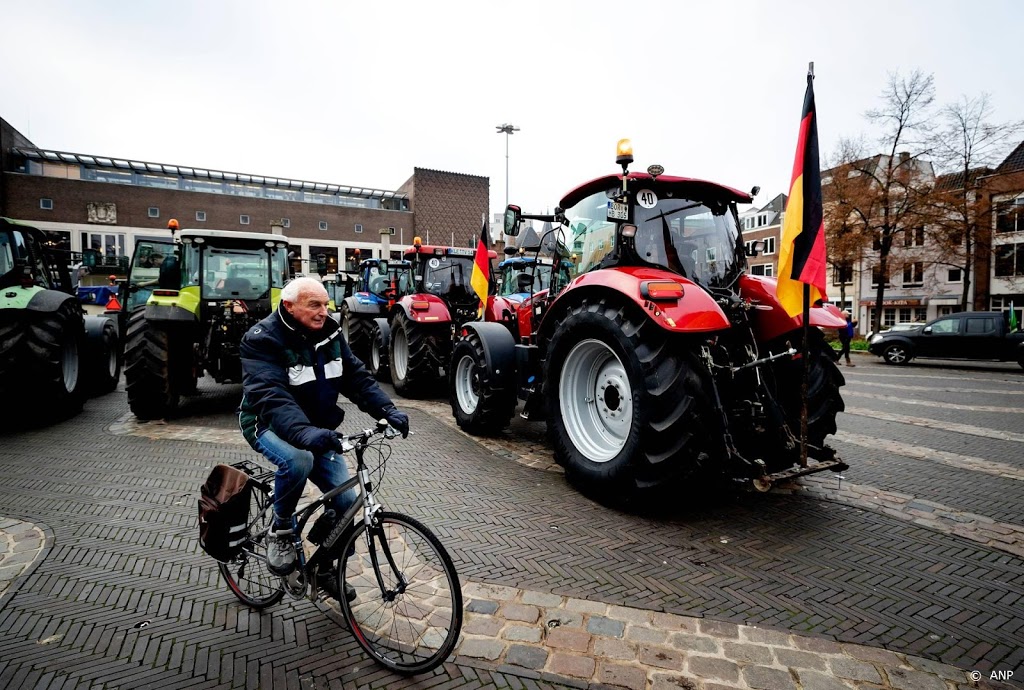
{"x":294,"y":365}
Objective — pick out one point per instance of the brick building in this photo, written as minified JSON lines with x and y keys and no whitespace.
{"x":106,"y":204}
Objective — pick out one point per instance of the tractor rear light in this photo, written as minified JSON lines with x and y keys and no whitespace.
{"x":628,"y":230}
{"x":165,"y":293}
{"x":661,"y":290}
{"x":421,"y":305}
{"x":439,"y":250}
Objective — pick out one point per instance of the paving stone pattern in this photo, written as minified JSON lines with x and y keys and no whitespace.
{"x":124,"y":598}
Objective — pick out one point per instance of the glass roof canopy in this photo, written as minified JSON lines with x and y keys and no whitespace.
{"x":109,"y":163}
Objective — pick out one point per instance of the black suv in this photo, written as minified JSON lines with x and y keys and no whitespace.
{"x":967,"y":335}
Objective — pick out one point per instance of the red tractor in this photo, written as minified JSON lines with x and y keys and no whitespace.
{"x":423,"y":325}
{"x":664,"y":359}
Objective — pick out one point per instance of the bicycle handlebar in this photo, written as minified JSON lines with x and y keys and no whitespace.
{"x":361,"y":438}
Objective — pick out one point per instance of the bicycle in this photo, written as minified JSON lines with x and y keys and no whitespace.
{"x":407,"y":609}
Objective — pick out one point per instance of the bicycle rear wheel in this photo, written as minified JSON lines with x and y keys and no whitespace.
{"x":247,"y":574}
{"x":414,"y":623}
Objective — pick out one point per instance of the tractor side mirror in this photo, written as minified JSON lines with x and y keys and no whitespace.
{"x":524,"y":281}
{"x":89,"y":257}
{"x":510,"y":250}
{"x":513,"y":217}
{"x":754,"y":248}
{"x":382,"y":267}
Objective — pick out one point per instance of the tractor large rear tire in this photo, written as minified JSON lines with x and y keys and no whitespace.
{"x":380,"y":338}
{"x":415,"y":356}
{"x":356,"y":329}
{"x":480,"y":403}
{"x":824,"y":401}
{"x":627,"y":409}
{"x":50,"y":361}
{"x":151,"y":391}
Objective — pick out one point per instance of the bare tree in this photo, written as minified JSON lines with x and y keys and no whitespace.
{"x":842,"y":191}
{"x":966,"y":143}
{"x":896,"y":185}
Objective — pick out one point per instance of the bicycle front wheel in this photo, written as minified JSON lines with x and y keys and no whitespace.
{"x":407,"y":613}
{"x":247,"y":574}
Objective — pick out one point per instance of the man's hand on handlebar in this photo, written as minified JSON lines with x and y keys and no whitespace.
{"x":398,"y":419}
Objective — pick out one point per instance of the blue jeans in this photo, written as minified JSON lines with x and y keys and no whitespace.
{"x":295,"y":466}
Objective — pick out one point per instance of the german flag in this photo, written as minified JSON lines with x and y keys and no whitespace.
{"x":802,"y":251}
{"x":482,"y":266}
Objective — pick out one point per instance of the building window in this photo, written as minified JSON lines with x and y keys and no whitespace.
{"x":913,"y":237}
{"x":243,"y":220}
{"x":876,"y":274}
{"x":359,"y":227}
{"x":842,"y":274}
{"x":1009,"y":260}
{"x":769,"y":245}
{"x":1009,"y":217}
{"x":46,"y":204}
{"x":323,"y":225}
{"x":286,"y":222}
{"x":201,"y":216}
{"x":913,"y":274}
{"x":955,"y":275}
{"x":153,"y":212}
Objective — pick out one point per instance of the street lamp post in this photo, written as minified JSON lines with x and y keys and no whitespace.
{"x":507,"y":130}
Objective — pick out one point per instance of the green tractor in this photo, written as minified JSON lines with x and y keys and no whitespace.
{"x":190,"y":300}
{"x":52,"y":355}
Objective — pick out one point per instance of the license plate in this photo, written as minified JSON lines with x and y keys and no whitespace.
{"x":461,"y":251}
{"x":617,"y":211}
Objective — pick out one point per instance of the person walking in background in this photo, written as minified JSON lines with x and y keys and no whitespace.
{"x":845,"y":336}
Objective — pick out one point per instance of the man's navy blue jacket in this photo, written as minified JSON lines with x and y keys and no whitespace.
{"x":291,"y":378}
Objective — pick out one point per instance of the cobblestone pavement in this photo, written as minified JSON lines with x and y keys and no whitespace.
{"x":767,"y":591}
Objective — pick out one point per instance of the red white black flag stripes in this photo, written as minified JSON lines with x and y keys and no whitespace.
{"x":802,"y":251}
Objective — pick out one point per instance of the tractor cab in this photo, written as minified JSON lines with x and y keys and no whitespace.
{"x":382,"y":281}
{"x":683,"y":225}
{"x":446,"y":273}
{"x":539,"y":271}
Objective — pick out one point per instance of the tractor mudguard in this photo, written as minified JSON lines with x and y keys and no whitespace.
{"x":436,"y":310}
{"x":499,"y":349}
{"x":501,"y":310}
{"x":41,"y":299}
{"x":695,"y":312}
{"x":771,"y":322}
{"x":360,"y":303}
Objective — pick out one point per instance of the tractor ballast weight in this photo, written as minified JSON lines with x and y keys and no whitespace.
{"x":663,"y":361}
{"x":190,"y":301}
{"x":52,"y":354}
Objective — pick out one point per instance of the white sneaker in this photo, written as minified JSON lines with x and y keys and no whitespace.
{"x":280,"y":552}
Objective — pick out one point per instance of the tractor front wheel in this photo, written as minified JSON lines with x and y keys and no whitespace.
{"x":357,"y":333}
{"x":627,"y":410}
{"x":480,"y":403}
{"x":151,"y":392}
{"x":104,"y":361}
{"x":824,"y":401}
{"x":380,"y":337}
{"x":414,"y":356}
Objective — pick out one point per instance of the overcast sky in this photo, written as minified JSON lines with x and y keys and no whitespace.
{"x":359,"y":93}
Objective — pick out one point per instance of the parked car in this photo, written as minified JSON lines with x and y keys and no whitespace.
{"x":901,"y":326}
{"x":976,"y":335}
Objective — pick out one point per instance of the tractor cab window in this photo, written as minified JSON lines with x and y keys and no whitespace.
{"x":6,"y":253}
{"x":591,"y":234}
{"x":144,"y":274}
{"x":236,"y":273}
{"x":444,"y":273}
{"x":693,"y":238}
{"x":378,"y":282}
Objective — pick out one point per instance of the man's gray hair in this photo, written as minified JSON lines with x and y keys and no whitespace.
{"x":296,"y":288}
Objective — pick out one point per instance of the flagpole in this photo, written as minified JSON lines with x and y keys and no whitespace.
{"x":805,"y":373}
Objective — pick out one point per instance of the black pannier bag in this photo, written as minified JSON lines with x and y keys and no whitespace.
{"x":224,"y":512}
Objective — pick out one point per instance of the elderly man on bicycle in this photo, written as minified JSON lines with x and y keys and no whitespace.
{"x":295,"y":363}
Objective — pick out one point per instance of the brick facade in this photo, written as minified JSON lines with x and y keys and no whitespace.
{"x":445,"y":203}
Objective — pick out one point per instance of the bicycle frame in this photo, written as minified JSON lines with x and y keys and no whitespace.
{"x":326,"y":551}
